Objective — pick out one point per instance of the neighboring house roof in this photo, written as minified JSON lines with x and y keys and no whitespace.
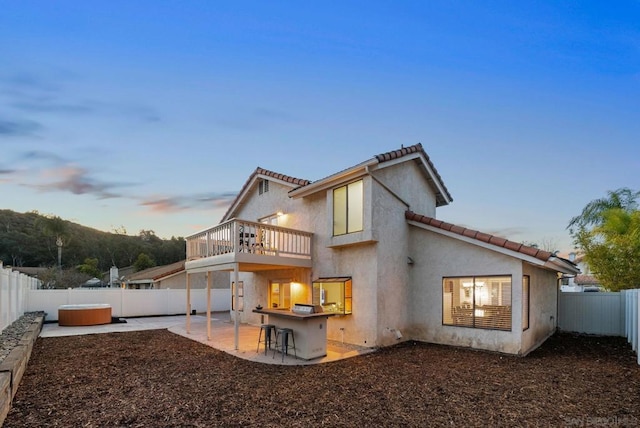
{"x":156,"y":273}
{"x":474,"y":236}
{"x":586,"y":280}
{"x":415,"y":152}
{"x":257,"y":174}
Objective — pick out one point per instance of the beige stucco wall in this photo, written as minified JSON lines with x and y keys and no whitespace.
{"x":409,"y":183}
{"x":437,"y":256}
{"x":544,"y":307}
{"x":360,"y":263}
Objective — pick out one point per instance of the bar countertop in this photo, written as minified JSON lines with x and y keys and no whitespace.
{"x":286,"y":313}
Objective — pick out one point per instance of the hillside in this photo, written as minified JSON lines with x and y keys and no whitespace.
{"x":29,"y":239}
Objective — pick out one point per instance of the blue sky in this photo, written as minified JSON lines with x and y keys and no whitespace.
{"x":152,"y":114}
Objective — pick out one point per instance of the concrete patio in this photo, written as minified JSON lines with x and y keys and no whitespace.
{"x":222,"y":337}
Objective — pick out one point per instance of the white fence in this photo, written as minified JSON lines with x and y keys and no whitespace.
{"x":13,"y":292}
{"x":607,"y":314}
{"x":632,"y":320}
{"x":129,"y":303}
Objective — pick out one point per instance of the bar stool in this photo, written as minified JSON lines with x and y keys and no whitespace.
{"x":268,"y":329}
{"x":283,"y":334}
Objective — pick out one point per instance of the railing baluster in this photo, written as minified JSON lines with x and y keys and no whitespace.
{"x":252,"y":237}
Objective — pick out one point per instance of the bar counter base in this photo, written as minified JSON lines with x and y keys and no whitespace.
{"x":310,"y":331}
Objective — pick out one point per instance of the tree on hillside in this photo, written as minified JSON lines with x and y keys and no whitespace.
{"x":143,"y":262}
{"x":62,"y":279}
{"x":56,"y":228}
{"x":90,"y":267}
{"x":29,"y":239}
{"x":608,"y":232}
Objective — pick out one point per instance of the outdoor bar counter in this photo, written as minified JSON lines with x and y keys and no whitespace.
{"x":309,"y":329}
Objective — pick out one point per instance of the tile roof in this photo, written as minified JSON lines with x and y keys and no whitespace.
{"x":586,"y":280}
{"x":483,"y":237}
{"x":416,"y":148}
{"x":157,"y":272}
{"x":278,"y":176}
{"x":265,"y":172}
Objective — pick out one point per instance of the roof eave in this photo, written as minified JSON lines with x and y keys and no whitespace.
{"x":560,"y":265}
{"x":330,"y":181}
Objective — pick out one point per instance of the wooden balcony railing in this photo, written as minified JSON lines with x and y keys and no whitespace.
{"x":239,"y":236}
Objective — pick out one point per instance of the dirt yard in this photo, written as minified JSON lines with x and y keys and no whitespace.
{"x":158,"y":379}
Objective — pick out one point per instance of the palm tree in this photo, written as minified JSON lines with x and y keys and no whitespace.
{"x":593,"y":214}
{"x":612,"y":249}
{"x":56,"y":227}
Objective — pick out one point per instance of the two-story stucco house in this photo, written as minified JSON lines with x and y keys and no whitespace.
{"x":364,"y":244}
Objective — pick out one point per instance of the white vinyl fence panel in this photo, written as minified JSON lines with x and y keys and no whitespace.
{"x":591,"y":313}
{"x":632,"y":320}
{"x":13,"y":295}
{"x":606,"y":314}
{"x":129,"y":303}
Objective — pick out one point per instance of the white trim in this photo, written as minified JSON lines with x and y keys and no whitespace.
{"x":333,"y":180}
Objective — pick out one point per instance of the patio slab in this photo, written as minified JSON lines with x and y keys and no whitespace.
{"x":222,"y":337}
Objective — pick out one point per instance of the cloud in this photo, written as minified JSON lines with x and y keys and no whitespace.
{"x":51,"y":105}
{"x":18,"y":128}
{"x":29,"y":81}
{"x":163,"y":204}
{"x":507,"y":232}
{"x":29,"y":93}
{"x":76,"y":180}
{"x":35,"y":155}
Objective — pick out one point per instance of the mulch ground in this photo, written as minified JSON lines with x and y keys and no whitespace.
{"x":158,"y":379}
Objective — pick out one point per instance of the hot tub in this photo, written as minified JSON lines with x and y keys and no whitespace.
{"x":85,"y":314}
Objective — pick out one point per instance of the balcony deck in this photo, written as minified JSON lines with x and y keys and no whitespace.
{"x":252,"y":246}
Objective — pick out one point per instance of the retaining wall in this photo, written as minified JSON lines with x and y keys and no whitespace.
{"x":12,"y":368}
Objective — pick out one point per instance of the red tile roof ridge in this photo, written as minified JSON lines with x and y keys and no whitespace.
{"x":480,"y":236}
{"x":283,"y":177}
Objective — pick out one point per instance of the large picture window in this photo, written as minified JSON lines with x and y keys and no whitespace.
{"x":348,"y":209}
{"x":477,"y":302}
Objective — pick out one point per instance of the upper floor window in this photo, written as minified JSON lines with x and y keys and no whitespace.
{"x":348,"y":208}
{"x":263,"y":186}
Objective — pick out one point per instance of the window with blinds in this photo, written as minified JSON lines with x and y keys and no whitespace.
{"x":477,"y":302}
